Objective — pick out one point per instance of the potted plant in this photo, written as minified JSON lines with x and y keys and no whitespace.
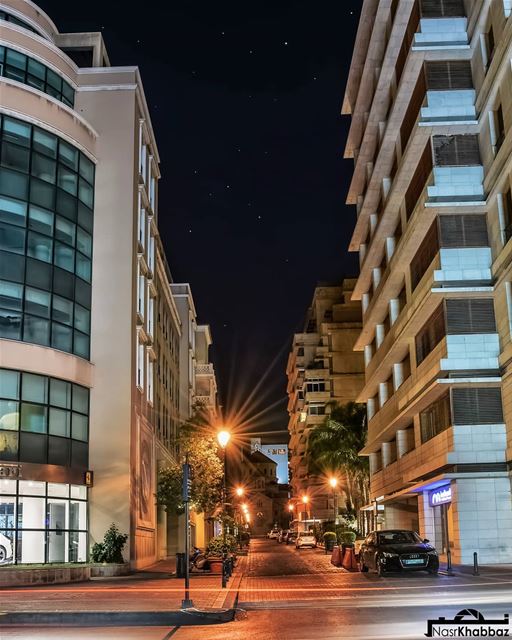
{"x":329,"y":540}
{"x":107,"y":556}
{"x":346,"y":539}
{"x":217,"y":547}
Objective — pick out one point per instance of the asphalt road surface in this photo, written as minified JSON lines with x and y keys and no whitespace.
{"x":297,"y":595}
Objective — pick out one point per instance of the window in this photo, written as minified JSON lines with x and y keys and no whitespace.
{"x":43,"y":522}
{"x":315,"y":386}
{"x":507,"y":215}
{"x":17,"y":66}
{"x":477,"y":406}
{"x":150,"y":373}
{"x":45,"y":238}
{"x":424,"y":256}
{"x":140,"y":365}
{"x":448,"y":75}
{"x":8,"y":17}
{"x":436,"y":418}
{"x":442,"y":8}
{"x":463,"y":231}
{"x":41,"y":417}
{"x":466,"y":316}
{"x":141,"y":290}
{"x":490,"y":45}
{"x":458,"y":150}
{"x":499,"y":125}
{"x":316,"y":410}
{"x":431,"y":334}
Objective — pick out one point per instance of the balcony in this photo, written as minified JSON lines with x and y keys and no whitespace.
{"x":471,"y":352}
{"x":464,"y":265}
{"x":441,"y":33}
{"x":456,"y":106}
{"x":205,"y":369}
{"x":456,"y":185}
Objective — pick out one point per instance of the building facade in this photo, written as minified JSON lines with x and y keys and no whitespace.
{"x":322,"y":370}
{"x":90,"y":333}
{"x":429,"y":93}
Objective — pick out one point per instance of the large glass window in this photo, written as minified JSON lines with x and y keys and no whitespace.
{"x":42,"y":522}
{"x":43,"y":420}
{"x":18,"y":66}
{"x":46,"y":199}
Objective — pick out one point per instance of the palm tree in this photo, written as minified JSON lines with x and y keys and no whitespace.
{"x":334,"y":447}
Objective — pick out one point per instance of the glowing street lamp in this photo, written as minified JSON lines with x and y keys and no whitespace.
{"x":334,"y":483}
{"x":223,"y":437}
{"x":305,"y":500}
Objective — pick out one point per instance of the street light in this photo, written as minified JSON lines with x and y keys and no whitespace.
{"x":305,"y":500}
{"x":223,"y":437}
{"x":290,"y":509}
{"x":239,"y":491}
{"x":334,"y":483}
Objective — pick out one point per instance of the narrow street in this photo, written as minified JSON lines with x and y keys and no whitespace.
{"x":287,"y":594}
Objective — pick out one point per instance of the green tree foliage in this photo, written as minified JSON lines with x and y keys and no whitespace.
{"x":201,"y":449}
{"x":334,"y":447}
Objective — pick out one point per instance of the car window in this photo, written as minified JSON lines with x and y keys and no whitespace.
{"x":399,"y":537}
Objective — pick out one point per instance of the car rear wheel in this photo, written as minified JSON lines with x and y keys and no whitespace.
{"x":3,"y":554}
{"x":433,"y":571}
{"x":362,"y":566}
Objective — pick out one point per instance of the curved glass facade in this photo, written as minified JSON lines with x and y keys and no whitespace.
{"x":8,"y":17}
{"x":43,"y":420}
{"x":42,"y":522}
{"x":46,"y":223}
{"x":18,"y":66}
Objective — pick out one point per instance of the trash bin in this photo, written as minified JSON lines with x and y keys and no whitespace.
{"x":180,"y":565}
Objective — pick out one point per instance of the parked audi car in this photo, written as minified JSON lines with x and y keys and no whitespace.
{"x":397,"y":550}
{"x":305,"y":539}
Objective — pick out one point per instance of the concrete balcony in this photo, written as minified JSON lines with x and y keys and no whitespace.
{"x":318,"y":396}
{"x":449,"y":107}
{"x":204,"y":369}
{"x":465,"y":265}
{"x":441,"y":33}
{"x":456,"y":185}
{"x":473,"y":352}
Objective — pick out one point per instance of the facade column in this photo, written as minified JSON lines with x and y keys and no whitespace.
{"x":362,"y":253}
{"x":398,"y":375}
{"x":368,"y":354}
{"x":390,"y":247}
{"x":374,"y":218}
{"x":402,"y":442}
{"x":375,"y":462}
{"x":365,"y":301}
{"x":370,"y":408}
{"x":394,"y":310}
{"x":383,"y":393}
{"x":380,"y":334}
{"x":388,"y":453}
{"x":376,"y":276}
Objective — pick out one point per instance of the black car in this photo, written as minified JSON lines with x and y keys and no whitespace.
{"x":397,"y":550}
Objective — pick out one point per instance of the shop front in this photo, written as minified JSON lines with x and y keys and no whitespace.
{"x":42,"y":522}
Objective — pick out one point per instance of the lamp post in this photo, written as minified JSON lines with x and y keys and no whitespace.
{"x":305,"y":500}
{"x":334,"y":482}
{"x":290,"y":509}
{"x":223,"y":437}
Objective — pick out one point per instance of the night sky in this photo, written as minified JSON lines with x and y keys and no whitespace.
{"x":245,"y":101}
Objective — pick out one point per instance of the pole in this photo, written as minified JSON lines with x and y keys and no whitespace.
{"x":476,"y":572}
{"x":224,"y":552}
{"x":334,"y":504}
{"x":187,"y":602}
{"x":449,"y":570}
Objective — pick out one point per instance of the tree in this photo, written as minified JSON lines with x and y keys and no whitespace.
{"x":201,"y":450}
{"x":334,"y":447}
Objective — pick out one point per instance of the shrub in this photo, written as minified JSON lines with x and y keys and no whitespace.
{"x":111,"y":549}
{"x":347,"y":537}
{"x":216,"y":545}
{"x":329,"y":535}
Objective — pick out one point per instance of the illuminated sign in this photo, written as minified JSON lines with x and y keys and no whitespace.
{"x":440,"y":496}
{"x":10,"y":471}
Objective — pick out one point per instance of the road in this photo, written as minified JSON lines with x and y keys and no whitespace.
{"x":298,"y":595}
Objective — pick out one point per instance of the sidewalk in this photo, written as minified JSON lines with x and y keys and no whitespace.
{"x":135,"y":599}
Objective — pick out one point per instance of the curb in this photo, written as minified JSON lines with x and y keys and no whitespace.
{"x":118,"y":618}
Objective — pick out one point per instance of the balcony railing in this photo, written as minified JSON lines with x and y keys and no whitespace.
{"x":441,"y":33}
{"x":449,"y":107}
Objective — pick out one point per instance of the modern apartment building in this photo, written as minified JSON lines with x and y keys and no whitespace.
{"x":429,"y":93}
{"x":89,"y":331}
{"x":322,"y":370}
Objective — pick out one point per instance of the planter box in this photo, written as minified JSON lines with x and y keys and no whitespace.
{"x":215,"y":566}
{"x":109,"y":569}
{"x":17,"y":575}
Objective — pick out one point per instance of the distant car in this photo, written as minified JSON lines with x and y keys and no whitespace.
{"x":397,"y":550}
{"x":305,"y":539}
{"x":282,"y":535}
{"x":273,"y":534}
{"x":291,"y":537}
{"x":5,"y":549}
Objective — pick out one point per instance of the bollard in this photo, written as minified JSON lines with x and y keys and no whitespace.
{"x":449,"y":570}
{"x":476,"y":572}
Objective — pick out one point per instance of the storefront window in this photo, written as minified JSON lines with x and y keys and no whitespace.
{"x":42,"y":522}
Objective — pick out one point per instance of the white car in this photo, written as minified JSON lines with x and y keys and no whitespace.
{"x":305,"y":539}
{"x":5,"y":549}
{"x":273,"y":535}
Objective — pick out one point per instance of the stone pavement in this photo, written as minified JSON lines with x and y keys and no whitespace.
{"x":153,"y":589}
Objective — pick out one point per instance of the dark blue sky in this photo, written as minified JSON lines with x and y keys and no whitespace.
{"x":245,"y":100}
